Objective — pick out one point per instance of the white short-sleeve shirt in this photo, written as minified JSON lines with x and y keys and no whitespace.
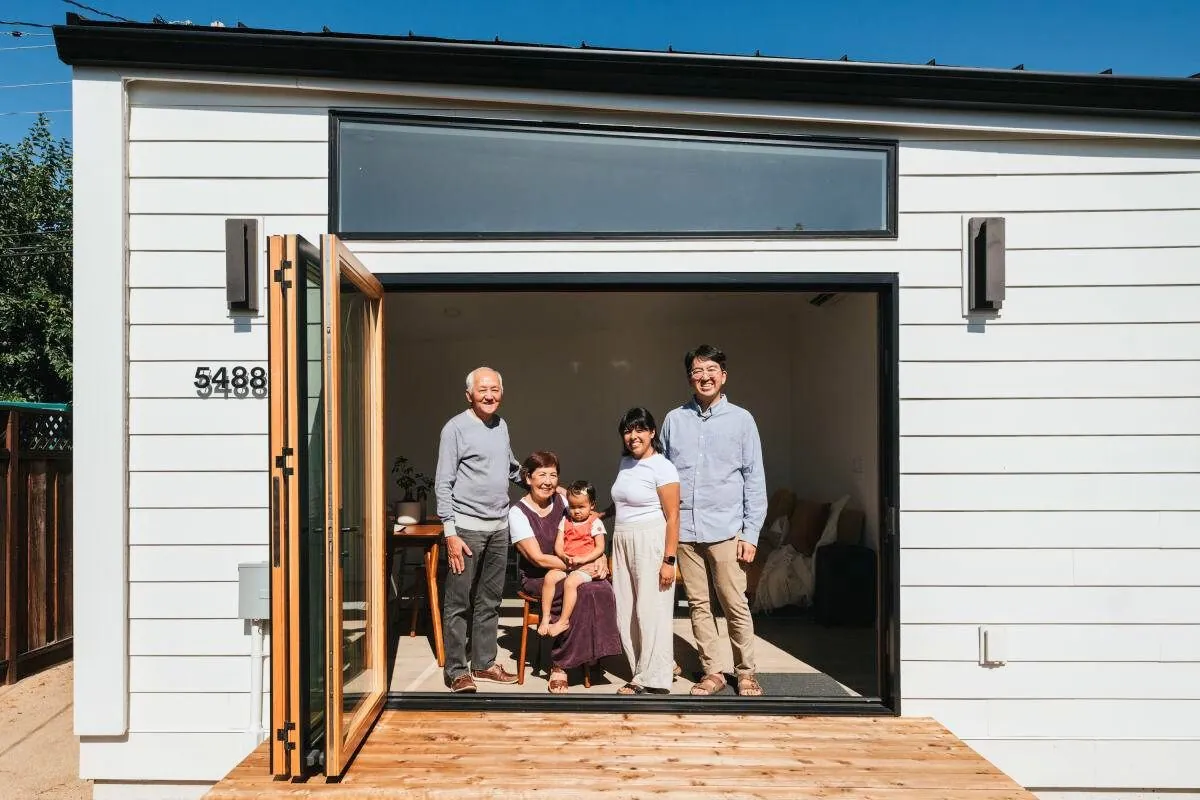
{"x":518,"y":525}
{"x":635,"y":491}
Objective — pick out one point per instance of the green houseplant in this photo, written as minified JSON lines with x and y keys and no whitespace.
{"x":410,"y":509}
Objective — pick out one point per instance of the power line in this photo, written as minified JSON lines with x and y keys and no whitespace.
{"x":24,"y":35}
{"x":26,"y":47}
{"x":24,"y":24}
{"x":24,"y":85}
{"x":47,"y":111}
{"x":96,"y":11}
{"x":63,"y":232}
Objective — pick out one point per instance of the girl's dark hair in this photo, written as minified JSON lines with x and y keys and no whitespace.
{"x":583,"y":487}
{"x":538,"y":459}
{"x":639,"y":418}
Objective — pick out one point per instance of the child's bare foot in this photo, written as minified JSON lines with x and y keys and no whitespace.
{"x":544,"y":629}
{"x":558,"y":627}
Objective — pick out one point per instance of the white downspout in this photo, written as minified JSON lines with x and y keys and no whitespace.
{"x":257,"y":732}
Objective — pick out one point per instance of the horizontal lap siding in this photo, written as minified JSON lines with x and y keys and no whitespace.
{"x":198,"y":466}
{"x":1050,"y":465}
{"x":1050,"y":457}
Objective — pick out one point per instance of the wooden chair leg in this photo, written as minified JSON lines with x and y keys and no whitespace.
{"x":412,"y":622}
{"x":524,"y":642}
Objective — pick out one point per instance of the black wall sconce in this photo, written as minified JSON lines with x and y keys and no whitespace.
{"x":985,"y":264}
{"x":241,"y":264}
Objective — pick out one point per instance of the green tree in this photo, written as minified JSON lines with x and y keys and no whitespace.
{"x":35,"y":267}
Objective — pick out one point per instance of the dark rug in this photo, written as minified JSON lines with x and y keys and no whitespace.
{"x":792,"y":684}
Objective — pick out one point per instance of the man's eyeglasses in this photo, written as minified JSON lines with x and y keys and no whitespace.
{"x":711,"y":372}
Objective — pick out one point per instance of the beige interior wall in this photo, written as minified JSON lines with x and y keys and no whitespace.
{"x":835,"y":391}
{"x":574,"y":362}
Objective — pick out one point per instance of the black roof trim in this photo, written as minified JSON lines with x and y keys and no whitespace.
{"x":591,"y":69}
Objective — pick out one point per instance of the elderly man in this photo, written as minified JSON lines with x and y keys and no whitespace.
{"x":475,"y":466}
{"x":715,"y":447}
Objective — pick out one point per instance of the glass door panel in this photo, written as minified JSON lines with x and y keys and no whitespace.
{"x":354,"y":512}
{"x":311,"y":460}
{"x":356,"y":568}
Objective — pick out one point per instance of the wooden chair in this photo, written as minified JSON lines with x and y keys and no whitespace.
{"x":531,"y":616}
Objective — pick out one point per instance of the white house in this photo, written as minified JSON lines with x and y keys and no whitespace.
{"x":1014,"y":405}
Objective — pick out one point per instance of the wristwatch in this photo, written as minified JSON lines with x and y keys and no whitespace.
{"x":669,"y":560}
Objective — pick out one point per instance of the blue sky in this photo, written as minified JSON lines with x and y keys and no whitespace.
{"x":1151,"y":37}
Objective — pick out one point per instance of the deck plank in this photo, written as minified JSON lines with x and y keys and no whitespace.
{"x":447,"y":755}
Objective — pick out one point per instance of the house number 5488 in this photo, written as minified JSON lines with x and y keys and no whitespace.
{"x":237,"y":379}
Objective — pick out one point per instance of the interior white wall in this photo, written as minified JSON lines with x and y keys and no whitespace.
{"x":574,"y":362}
{"x":835,"y":390}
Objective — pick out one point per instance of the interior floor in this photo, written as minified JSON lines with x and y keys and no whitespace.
{"x":796,"y":657}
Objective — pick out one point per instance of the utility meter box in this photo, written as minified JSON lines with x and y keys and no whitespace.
{"x":254,"y":591}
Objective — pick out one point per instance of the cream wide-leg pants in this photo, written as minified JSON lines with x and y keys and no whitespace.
{"x":644,"y":611}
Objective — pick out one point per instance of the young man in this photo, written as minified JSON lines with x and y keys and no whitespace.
{"x":715,"y":447}
{"x":475,"y":466}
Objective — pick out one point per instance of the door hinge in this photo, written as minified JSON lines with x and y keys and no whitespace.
{"x":284,"y":735}
{"x":280,"y":275}
{"x":281,"y":460}
{"x":889,"y":526}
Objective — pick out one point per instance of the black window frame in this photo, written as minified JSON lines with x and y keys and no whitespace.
{"x":890,"y":147}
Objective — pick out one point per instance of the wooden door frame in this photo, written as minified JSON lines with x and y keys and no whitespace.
{"x":284,"y":504}
{"x":343,"y":737}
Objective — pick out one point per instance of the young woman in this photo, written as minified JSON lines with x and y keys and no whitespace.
{"x":646,"y":498}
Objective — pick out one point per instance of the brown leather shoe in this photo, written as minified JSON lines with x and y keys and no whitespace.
{"x":494,"y":674}
{"x":463,"y":683}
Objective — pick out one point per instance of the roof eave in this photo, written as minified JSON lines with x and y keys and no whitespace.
{"x":423,"y":60}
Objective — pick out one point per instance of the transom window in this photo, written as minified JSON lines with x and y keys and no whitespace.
{"x":441,"y":177}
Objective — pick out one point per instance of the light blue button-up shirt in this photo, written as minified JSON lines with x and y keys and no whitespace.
{"x":722,"y":487}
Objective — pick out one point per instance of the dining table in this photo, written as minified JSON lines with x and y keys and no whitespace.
{"x":427,"y":536}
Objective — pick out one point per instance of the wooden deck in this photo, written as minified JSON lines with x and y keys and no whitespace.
{"x":505,"y":756}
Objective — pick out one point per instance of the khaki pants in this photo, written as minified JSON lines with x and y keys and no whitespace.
{"x":696,"y":562}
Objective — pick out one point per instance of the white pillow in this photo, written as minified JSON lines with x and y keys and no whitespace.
{"x":829,"y":535}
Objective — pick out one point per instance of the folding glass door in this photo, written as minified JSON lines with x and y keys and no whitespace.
{"x":328,"y":671}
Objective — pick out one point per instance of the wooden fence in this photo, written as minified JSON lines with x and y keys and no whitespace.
{"x":35,"y":511}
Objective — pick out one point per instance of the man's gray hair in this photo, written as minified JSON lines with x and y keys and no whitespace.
{"x":471,"y":378}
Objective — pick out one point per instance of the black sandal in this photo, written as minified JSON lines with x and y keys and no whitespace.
{"x":631,"y":688}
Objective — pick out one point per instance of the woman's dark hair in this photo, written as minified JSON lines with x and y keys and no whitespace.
{"x":538,"y":459}
{"x":706,"y":352}
{"x":582,"y":487}
{"x":639,"y":418}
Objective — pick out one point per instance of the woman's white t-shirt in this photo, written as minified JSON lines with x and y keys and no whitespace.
{"x":635,"y":491}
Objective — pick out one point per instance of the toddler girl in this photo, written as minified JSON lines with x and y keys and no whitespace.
{"x":580,"y":541}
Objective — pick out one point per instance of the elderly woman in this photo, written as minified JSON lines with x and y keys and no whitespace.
{"x":533,"y":524}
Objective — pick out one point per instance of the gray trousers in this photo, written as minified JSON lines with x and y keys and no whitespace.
{"x":477,"y":591}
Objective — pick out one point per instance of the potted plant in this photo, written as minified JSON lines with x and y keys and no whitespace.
{"x":416,"y":486}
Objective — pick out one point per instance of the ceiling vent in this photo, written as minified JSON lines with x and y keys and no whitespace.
{"x":825,"y":299}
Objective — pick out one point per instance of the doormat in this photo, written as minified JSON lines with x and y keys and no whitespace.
{"x":792,"y":684}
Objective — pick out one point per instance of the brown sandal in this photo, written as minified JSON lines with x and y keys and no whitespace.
{"x":747,"y":686}
{"x":558,"y":681}
{"x":709,"y":684}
